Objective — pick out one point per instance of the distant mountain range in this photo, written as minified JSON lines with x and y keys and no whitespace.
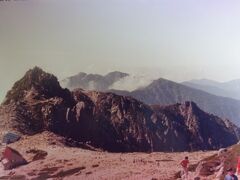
{"x":166,"y":92}
{"x":98,"y":82}
{"x":226,"y":89}
{"x":92,"y":81}
{"x":211,"y":96}
{"x":112,"y":122}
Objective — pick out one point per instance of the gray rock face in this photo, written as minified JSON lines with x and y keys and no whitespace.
{"x":112,"y":122}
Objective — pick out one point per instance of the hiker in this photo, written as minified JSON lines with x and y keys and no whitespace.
{"x":238,"y":166}
{"x":184,"y":163}
{"x":230,"y":175}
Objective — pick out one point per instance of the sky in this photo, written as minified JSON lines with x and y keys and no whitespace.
{"x":175,"y":39}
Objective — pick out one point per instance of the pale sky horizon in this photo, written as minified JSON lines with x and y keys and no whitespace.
{"x":178,"y":40}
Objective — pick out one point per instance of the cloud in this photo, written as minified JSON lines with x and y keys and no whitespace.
{"x":135,"y":81}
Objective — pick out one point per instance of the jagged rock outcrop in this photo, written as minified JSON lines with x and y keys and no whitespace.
{"x":36,"y":101}
{"x":195,"y":129}
{"x":116,"y":123}
{"x":36,"y":84}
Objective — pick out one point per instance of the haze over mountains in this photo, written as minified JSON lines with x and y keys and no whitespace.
{"x":165,"y":92}
{"x":226,"y":89}
{"x":93,"y":81}
{"x":124,"y":81}
{"x":112,"y":122}
{"x":113,"y":80}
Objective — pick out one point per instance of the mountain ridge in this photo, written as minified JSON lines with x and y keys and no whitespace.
{"x":214,"y":100}
{"x":113,"y":122}
{"x":167,"y":92}
{"x":226,"y":89}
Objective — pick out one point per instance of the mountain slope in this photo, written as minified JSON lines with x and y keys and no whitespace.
{"x":202,"y":128}
{"x":166,"y":92}
{"x":226,"y":89}
{"x":109,"y":121}
{"x":212,"y":90}
{"x":211,"y":96}
{"x":205,"y":82}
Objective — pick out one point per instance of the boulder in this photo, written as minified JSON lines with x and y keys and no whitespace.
{"x":10,"y":137}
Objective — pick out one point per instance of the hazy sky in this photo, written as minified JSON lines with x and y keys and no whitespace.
{"x":179,"y":39}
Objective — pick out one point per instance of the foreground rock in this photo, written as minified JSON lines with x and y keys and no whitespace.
{"x":10,"y":137}
{"x":115,"y":123}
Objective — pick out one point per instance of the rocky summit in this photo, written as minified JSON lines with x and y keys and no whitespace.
{"x":108,"y":121}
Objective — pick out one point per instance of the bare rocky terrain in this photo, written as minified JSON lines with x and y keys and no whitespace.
{"x":49,"y":158}
{"x":95,"y":135}
{"x":57,"y":161}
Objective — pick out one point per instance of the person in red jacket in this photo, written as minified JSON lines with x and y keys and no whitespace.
{"x":238,"y":166}
{"x":184,"y":163}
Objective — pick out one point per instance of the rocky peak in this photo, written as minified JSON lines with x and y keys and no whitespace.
{"x":190,"y":104}
{"x":115,"y":75}
{"x":36,"y":84}
{"x":158,"y":82}
{"x":81,"y":74}
{"x":189,"y":107}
